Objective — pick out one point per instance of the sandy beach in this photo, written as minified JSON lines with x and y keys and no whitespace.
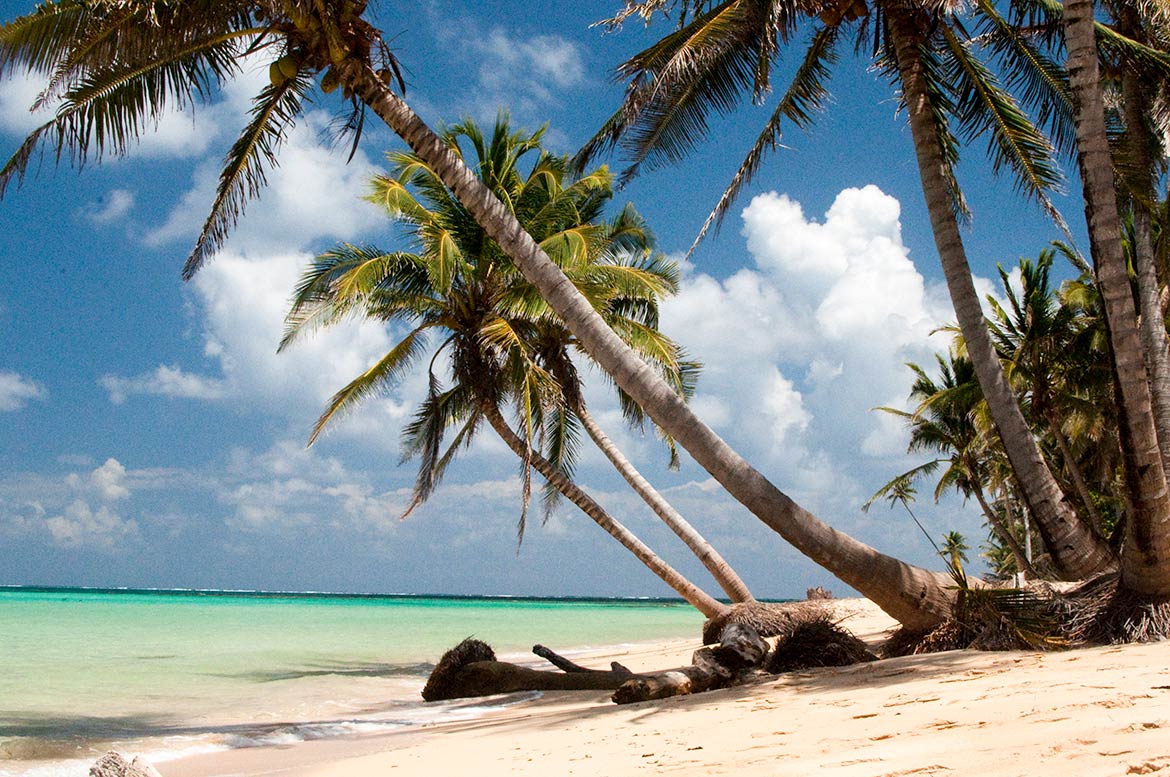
{"x":1098,"y":711}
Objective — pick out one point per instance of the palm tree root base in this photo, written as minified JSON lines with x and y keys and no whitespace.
{"x":1101,"y":612}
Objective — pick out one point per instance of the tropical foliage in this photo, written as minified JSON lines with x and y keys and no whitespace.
{"x":333,"y":42}
{"x":489,"y":340}
{"x":723,"y":52}
{"x":965,"y":73}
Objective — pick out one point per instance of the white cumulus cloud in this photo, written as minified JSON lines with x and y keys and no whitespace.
{"x":800,"y":345}
{"x":81,"y":525}
{"x":116,"y":204}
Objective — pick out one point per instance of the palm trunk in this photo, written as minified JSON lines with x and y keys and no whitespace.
{"x":1153,"y":325}
{"x":1076,"y":552}
{"x":1145,"y":558}
{"x":700,"y":600}
{"x":724,"y":575}
{"x":917,"y":598}
{"x":1077,"y":477}
{"x":1004,"y":532}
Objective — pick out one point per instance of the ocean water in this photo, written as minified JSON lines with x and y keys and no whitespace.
{"x":172,"y":673}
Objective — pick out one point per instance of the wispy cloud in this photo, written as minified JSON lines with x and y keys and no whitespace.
{"x":165,"y":381}
{"x":16,"y":391}
{"x":112,"y":207}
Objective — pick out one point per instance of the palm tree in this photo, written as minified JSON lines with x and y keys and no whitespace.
{"x":945,"y":423}
{"x":1145,"y":567}
{"x":552,"y":348}
{"x":460,"y":292}
{"x":954,"y":548}
{"x":144,"y":57}
{"x":1035,"y":337}
{"x":1142,"y":88}
{"x":728,"y":50}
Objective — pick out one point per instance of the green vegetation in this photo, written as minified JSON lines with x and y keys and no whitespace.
{"x":964,"y":72}
{"x":475,"y":320}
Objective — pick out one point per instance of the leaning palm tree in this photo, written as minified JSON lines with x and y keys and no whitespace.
{"x":552,"y":344}
{"x":460,"y":293}
{"x":728,"y":49}
{"x":113,"y":65}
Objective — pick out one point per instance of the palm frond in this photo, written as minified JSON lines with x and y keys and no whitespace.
{"x":108,"y":107}
{"x":382,"y":375}
{"x":274,"y":111}
{"x":806,"y":96}
{"x":1036,"y":78}
{"x":982,"y":106}
{"x":707,"y":66}
{"x":357,"y":280}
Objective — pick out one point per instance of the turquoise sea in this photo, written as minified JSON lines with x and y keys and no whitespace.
{"x":170,"y":673}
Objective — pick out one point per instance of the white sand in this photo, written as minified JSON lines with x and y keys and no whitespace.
{"x":1093,"y":712}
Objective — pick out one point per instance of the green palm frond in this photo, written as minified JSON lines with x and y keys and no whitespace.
{"x":352,"y":280}
{"x":380,"y":377}
{"x":274,"y":111}
{"x":982,"y":106}
{"x":391,"y":195}
{"x":707,"y":66}
{"x":1035,"y":78}
{"x":806,"y":96}
{"x":561,"y":436}
{"x":107,"y":108}
{"x":423,"y":436}
{"x":40,"y":41}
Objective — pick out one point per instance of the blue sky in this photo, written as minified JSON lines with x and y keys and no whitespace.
{"x":150,"y":436}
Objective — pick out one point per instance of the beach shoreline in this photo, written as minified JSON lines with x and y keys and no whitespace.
{"x":1095,"y":711}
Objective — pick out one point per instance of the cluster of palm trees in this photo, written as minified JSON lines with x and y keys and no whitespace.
{"x":483,"y":329}
{"x":1054,"y":347}
{"x":963,"y":71}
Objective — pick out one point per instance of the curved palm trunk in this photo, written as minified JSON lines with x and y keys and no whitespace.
{"x":917,"y":598}
{"x":724,"y":575}
{"x":1076,"y":552}
{"x":700,"y":600}
{"x":1145,"y":558}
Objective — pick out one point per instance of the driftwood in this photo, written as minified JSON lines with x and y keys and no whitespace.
{"x":470,"y":669}
{"x":112,"y":764}
{"x":738,"y":656}
{"x":812,"y":639}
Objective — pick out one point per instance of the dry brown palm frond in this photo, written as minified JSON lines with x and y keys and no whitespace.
{"x":769,"y":619}
{"x":816,"y":640}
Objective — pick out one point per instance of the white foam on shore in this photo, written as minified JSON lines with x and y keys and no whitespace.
{"x":156,"y":751}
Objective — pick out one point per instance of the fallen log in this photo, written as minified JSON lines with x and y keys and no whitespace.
{"x":565,"y":665}
{"x":738,"y":656}
{"x":470,"y":669}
